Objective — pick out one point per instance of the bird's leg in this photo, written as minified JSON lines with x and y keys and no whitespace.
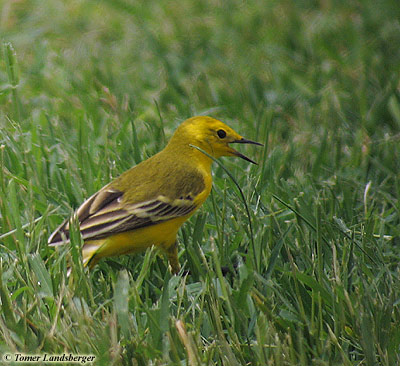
{"x":172,"y":255}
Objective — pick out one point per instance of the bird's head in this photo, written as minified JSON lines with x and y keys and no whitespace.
{"x":213,"y":136}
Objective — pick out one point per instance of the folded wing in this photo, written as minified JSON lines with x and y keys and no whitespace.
{"x":103,"y":214}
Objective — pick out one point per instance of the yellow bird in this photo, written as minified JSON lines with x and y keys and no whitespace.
{"x":148,"y":203}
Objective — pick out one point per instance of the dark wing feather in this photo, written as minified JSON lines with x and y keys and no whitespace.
{"x":102,"y":215}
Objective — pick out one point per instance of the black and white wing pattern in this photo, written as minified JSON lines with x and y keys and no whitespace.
{"x":103,"y":214}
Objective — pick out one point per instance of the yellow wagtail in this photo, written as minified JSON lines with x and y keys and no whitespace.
{"x":147,"y":204}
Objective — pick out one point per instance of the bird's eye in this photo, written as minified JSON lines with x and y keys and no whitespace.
{"x":221,"y":134}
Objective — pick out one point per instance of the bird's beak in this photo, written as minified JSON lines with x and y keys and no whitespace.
{"x":244,"y":141}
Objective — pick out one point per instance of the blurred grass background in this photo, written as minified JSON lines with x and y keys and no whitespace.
{"x":90,"y":88}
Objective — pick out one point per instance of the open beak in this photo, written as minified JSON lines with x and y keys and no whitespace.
{"x":245,"y":141}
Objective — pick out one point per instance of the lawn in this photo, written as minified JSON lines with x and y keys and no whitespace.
{"x":303,"y":271}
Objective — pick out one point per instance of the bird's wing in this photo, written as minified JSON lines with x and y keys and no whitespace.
{"x":103,"y":214}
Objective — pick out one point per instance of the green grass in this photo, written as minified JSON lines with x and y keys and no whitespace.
{"x":90,"y":88}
